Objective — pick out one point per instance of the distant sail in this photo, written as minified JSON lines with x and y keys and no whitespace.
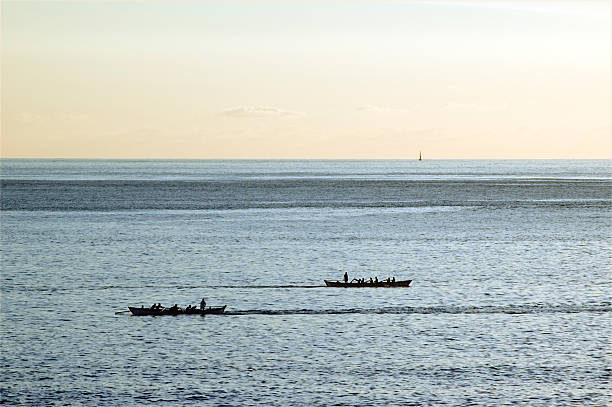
{"x":420,"y":158}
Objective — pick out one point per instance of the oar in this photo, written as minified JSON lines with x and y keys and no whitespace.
{"x":121,"y":312}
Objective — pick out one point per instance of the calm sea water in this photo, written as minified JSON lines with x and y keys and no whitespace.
{"x":510,"y":303}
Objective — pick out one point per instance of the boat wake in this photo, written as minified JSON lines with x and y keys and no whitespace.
{"x":262,"y":286}
{"x":513,"y":309}
{"x":156,"y":286}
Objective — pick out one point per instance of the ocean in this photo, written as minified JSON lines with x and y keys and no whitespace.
{"x":510,"y":302}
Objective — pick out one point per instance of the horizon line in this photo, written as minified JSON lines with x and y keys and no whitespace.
{"x":297,"y":158}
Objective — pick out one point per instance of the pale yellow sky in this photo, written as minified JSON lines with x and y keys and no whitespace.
{"x":320,"y":79}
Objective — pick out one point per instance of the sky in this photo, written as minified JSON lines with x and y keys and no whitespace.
{"x":306,"y":79}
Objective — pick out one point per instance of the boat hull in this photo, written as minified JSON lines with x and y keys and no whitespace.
{"x":181,"y":311}
{"x":384,"y":284}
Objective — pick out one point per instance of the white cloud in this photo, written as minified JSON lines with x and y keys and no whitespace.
{"x":27,"y":117}
{"x":372,"y":108}
{"x":260,"y":111}
{"x":474,"y":106}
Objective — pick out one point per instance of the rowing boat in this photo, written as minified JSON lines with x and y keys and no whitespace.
{"x":354,"y":284}
{"x":176,"y":311}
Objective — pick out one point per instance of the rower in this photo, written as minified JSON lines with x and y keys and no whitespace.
{"x":345,"y":277}
{"x":203,"y":303}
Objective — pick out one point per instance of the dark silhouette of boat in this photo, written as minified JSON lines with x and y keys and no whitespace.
{"x":140,"y":311}
{"x":355,"y":284}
